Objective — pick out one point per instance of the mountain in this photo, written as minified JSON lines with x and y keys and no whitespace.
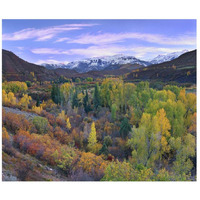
{"x":17,"y":69}
{"x":100,"y":63}
{"x":168,"y":57}
{"x":53,"y":66}
{"x":181,"y":69}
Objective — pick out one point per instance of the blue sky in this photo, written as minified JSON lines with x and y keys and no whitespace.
{"x":62,"y":41}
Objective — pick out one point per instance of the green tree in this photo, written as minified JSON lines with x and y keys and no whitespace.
{"x":125,"y":128}
{"x":113,"y":111}
{"x":55,"y":94}
{"x":41,"y":124}
{"x":75,"y":101}
{"x":108,"y":140}
{"x":96,"y":100}
{"x":104,"y":150}
{"x":86,"y":103}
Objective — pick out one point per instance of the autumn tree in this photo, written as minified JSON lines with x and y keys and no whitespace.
{"x":25,"y":101}
{"x":92,"y":140}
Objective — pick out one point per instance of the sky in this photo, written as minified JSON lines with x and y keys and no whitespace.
{"x":63,"y":41}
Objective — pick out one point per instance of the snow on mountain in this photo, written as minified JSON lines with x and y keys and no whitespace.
{"x":53,"y":66}
{"x":99,"y":63}
{"x":167,"y":57}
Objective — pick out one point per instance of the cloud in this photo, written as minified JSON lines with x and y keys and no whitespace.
{"x":43,"y":33}
{"x":51,"y":61}
{"x":20,"y":48}
{"x":144,"y":52}
{"x":110,"y":38}
{"x":141,"y":52}
{"x":46,"y":51}
{"x":62,"y":39}
{"x":91,"y":51}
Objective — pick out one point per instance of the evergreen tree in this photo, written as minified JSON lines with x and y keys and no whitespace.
{"x":124,"y":128}
{"x":104,"y":149}
{"x":97,"y":100}
{"x":86,"y":103}
{"x":55,"y":94}
{"x":37,"y":101}
{"x":75,"y":101}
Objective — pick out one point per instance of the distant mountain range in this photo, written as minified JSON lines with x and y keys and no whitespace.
{"x":109,"y":62}
{"x":181,"y":69}
{"x":98,"y":63}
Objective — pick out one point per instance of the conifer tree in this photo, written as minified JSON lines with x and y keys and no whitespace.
{"x":124,"y":128}
{"x":86,"y":104}
{"x":104,"y":149}
{"x":97,"y":100}
{"x":75,"y":101}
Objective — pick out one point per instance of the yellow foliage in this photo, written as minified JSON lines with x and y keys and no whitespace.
{"x":62,"y":115}
{"x":91,"y":163}
{"x":25,"y":101}
{"x":8,"y":99}
{"x":37,"y":110}
{"x":92,"y":140}
{"x":5,"y":134}
{"x":161,"y":123}
{"x":68,"y":124}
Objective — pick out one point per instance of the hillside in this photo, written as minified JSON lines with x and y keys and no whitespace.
{"x":181,"y":69}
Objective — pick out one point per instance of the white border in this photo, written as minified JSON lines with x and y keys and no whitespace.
{"x":102,"y":9}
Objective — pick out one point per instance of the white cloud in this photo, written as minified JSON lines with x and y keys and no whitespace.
{"x":62,"y":39}
{"x":46,"y":51}
{"x":20,"y":48}
{"x":51,"y":61}
{"x":109,"y":38}
{"x":43,"y":33}
{"x":144,"y":52}
{"x":91,"y":51}
{"x":141,"y":52}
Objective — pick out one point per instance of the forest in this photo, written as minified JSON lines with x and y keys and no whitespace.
{"x":106,"y":129}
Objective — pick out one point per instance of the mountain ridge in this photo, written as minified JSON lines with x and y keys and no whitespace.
{"x":104,"y":62}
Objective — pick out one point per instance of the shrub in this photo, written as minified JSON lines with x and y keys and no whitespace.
{"x":41,"y":124}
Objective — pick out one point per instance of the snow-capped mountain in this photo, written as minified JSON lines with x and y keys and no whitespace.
{"x":167,"y":57}
{"x":100,"y":63}
{"x":111,"y":62}
{"x":53,"y":66}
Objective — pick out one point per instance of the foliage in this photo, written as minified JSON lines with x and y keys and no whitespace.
{"x":55,"y":94}
{"x":92,"y":140}
{"x":25,"y":101}
{"x":124,"y":128}
{"x":97,"y":100}
{"x":41,"y":124}
{"x":14,"y":87}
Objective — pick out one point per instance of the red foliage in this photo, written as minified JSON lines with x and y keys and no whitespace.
{"x":14,"y":122}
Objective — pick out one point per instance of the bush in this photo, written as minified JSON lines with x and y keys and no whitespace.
{"x":41,"y":124}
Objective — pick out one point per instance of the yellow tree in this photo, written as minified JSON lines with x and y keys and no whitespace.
{"x":24,"y":101}
{"x":68,"y":124}
{"x":161,"y":125}
{"x":4,"y":97}
{"x":11,"y":98}
{"x":92,"y":140}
